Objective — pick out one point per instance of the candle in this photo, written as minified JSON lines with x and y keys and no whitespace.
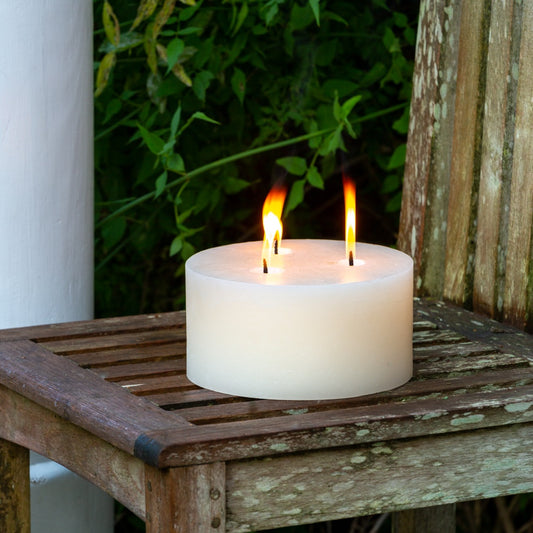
{"x":312,"y":328}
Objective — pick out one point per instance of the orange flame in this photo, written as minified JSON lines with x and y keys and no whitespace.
{"x":349,"y":207}
{"x":272,"y":209}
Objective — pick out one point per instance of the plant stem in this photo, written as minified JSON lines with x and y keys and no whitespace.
{"x":236,"y":157}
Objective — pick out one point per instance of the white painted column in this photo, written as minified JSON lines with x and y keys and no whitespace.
{"x":46,"y":207}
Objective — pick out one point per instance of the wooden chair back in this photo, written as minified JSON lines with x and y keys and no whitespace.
{"x":467,"y":210}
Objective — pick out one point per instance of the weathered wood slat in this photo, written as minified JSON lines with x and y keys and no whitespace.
{"x":37,"y":428}
{"x":412,"y":392}
{"x":476,"y":327}
{"x":98,"y":327}
{"x":157,"y":385}
{"x":468,"y":364}
{"x":109,"y":342}
{"x":470,"y":90}
{"x":151,"y":369}
{"x":369,"y":423}
{"x":79,"y":395}
{"x":518,"y":259}
{"x":428,"y":159}
{"x":462,"y":349}
{"x":494,"y":158}
{"x":148,"y":352}
{"x":385,"y":476}
{"x":14,"y":488}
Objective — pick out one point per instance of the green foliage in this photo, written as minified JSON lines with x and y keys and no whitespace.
{"x":201,"y":104}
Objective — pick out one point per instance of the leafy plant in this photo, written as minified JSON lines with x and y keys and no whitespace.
{"x":199,"y":105}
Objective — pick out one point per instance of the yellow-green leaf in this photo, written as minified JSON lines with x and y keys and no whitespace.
{"x":177,"y":69}
{"x":150,"y":48}
{"x":111,"y":25}
{"x":104,"y":70}
{"x":188,"y":2}
{"x":145,"y":10}
{"x":163,"y":15}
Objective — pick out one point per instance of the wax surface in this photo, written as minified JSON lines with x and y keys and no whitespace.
{"x":312,"y":328}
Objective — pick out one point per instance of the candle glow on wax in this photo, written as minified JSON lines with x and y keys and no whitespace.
{"x":349,"y":208}
{"x":272,"y":209}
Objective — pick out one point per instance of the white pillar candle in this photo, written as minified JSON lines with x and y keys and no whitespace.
{"x":312,"y":328}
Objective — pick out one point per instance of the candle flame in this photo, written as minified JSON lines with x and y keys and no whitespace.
{"x":349,"y":207}
{"x":272,"y":209}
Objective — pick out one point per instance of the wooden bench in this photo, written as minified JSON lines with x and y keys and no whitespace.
{"x":109,"y":400}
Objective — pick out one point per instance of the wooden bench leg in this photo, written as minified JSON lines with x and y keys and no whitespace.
{"x":14,"y":488}
{"x":440,"y":518}
{"x":188,"y":499}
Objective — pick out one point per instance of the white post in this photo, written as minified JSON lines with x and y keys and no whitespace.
{"x":46,"y":207}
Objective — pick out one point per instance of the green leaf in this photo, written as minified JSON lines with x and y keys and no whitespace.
{"x":350,"y":104}
{"x":160,"y":183}
{"x":334,"y":142}
{"x":296,"y":195}
{"x":174,"y":50}
{"x":394,"y":204}
{"x":391,"y":184}
{"x":175,"y":122}
{"x":314,"y":142}
{"x":188,"y":31}
{"x":175,"y":163}
{"x":398,"y":157}
{"x":113,"y":107}
{"x":337,"y":109}
{"x":154,"y":142}
{"x":402,"y":124}
{"x":314,"y":178}
{"x":176,"y":245}
{"x":400,"y":19}
{"x":113,"y":231}
{"x":391,"y":41}
{"x":111,"y":25}
{"x":243,"y":13}
{"x":234,"y":185}
{"x":293,"y":165}
{"x":238,"y":84}
{"x":187,"y":251}
{"x":201,"y":83}
{"x":202,"y":116}
{"x":315,"y":6}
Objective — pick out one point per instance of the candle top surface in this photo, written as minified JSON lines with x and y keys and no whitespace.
{"x":300,"y":262}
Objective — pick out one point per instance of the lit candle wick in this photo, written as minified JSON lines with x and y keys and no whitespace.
{"x":350,"y":259}
{"x":276,"y":243}
{"x":265,"y":266}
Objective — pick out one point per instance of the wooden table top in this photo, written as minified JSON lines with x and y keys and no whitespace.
{"x":123,"y":379}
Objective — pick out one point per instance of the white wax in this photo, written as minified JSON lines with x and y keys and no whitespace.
{"x":312,"y":328}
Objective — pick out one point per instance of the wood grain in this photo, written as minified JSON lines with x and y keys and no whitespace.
{"x":14,"y":488}
{"x":186,"y":499}
{"x":79,"y":395}
{"x":469,"y":96}
{"x":384,"y":476}
{"x":430,"y":125}
{"x":36,"y":428}
{"x":519,"y":276}
{"x":491,"y":213}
